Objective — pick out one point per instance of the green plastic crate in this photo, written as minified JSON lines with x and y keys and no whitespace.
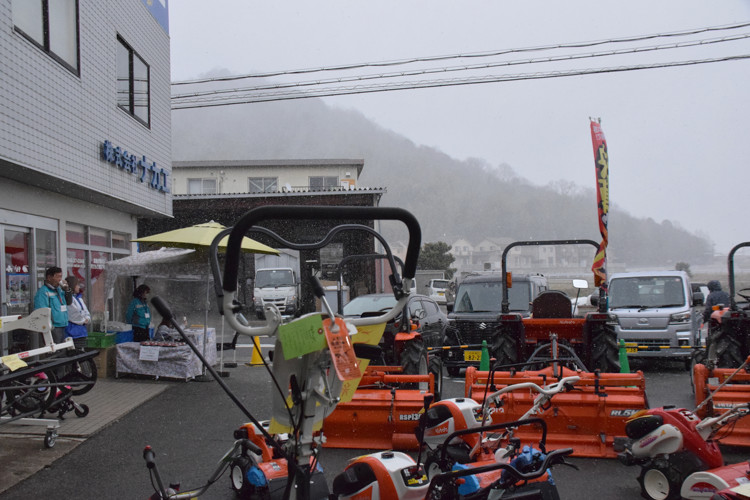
{"x":100,"y":340}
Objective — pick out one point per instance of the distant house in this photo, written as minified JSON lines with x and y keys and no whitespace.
{"x":487,"y":255}
{"x":224,"y":191}
{"x":265,"y":176}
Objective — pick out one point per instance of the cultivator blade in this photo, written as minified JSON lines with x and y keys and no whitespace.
{"x":736,"y":391}
{"x":383,"y":412}
{"x":590,"y":419}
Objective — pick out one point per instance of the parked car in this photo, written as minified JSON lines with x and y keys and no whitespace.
{"x":436,"y":290}
{"x":420,"y":310}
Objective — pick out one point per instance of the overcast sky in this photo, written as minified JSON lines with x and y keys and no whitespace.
{"x":678,"y":138}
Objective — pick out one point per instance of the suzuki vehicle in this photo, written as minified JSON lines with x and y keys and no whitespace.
{"x":655,"y":310}
{"x":678,"y":453}
{"x":474,"y":315}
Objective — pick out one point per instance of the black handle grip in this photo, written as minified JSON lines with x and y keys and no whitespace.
{"x":163,"y":308}
{"x":149,"y":456}
{"x":280,"y":212}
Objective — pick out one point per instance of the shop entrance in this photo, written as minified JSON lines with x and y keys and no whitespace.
{"x":17,"y":284}
{"x":28,"y":245}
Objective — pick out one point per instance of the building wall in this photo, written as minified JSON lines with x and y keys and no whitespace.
{"x":53,"y":122}
{"x":61,"y":202}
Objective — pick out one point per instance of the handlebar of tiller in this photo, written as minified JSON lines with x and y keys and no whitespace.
{"x":551,"y":458}
{"x":276,"y":212}
{"x":565,"y":384}
{"x":495,"y":427}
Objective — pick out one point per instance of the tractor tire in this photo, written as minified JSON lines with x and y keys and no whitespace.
{"x":505,"y":349}
{"x":728,"y":348}
{"x":454,"y":371}
{"x":414,"y":361}
{"x":605,"y":353}
{"x":435,"y":366}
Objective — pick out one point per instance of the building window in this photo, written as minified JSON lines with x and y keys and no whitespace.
{"x":201,"y":186}
{"x":52,"y":26}
{"x":88,"y":250}
{"x":133,"y":83}
{"x":323,"y":183}
{"x":263,"y":184}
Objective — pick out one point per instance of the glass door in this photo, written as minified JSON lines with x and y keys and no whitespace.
{"x":17,"y":286}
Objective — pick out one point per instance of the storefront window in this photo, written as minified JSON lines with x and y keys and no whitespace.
{"x":74,"y":233}
{"x":77,"y":264}
{"x":46,"y":253}
{"x":87,"y":257}
{"x":98,"y":237}
{"x":120,"y":240}
{"x":97,"y":295}
{"x":17,"y":277}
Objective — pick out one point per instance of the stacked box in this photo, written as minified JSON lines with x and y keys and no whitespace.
{"x":123,"y":336}
{"x":106,"y":362}
{"x":100,"y":340}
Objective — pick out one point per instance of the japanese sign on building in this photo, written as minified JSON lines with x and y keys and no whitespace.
{"x":143,"y":170}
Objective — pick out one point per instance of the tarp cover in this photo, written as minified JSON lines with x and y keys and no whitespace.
{"x":162,"y":263}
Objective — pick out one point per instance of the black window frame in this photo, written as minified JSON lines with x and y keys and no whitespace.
{"x":45,"y":45}
{"x":130,"y":109}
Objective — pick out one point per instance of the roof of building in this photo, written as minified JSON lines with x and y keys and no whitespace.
{"x":357,"y":163}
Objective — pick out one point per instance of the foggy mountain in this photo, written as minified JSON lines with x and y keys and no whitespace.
{"x":452,"y":199}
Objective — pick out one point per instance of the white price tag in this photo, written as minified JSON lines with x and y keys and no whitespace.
{"x":149,"y":353}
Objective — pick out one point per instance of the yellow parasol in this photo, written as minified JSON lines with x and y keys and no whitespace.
{"x":201,"y":235}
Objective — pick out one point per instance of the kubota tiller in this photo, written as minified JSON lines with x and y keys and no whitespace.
{"x":719,"y":389}
{"x":382,"y":412}
{"x":590,"y":419}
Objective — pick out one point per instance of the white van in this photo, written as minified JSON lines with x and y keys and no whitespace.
{"x":436,"y":290}
{"x":657,"y":311}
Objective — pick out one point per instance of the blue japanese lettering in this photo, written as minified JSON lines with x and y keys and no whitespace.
{"x":107,"y":152}
{"x":118,"y":157}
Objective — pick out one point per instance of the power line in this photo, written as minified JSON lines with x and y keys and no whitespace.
{"x":351,"y":90}
{"x":195,"y":96}
{"x":467,"y":55}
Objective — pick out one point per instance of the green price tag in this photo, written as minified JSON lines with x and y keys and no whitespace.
{"x":302,"y":336}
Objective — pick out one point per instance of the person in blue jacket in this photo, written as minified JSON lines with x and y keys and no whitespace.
{"x":139,"y":314}
{"x":57,"y":295}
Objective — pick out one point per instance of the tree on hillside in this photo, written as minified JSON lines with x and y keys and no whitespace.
{"x":436,"y":256}
{"x":684,"y":266}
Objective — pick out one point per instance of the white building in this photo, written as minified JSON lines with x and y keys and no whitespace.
{"x":85,"y":137}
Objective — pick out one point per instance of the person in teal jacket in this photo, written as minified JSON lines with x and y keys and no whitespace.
{"x":139,"y":314}
{"x":56,"y":295}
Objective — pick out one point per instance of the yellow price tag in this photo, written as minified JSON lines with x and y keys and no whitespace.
{"x":13,"y":362}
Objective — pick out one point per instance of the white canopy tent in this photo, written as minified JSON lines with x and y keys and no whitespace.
{"x":180,"y":276}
